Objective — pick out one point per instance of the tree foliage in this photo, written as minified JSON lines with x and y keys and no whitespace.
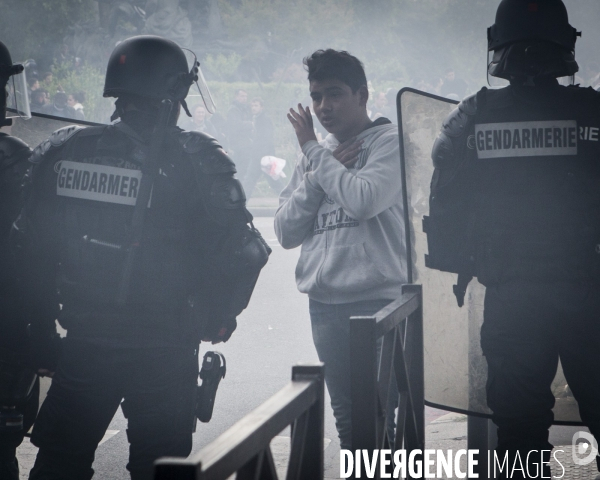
{"x":34,"y":28}
{"x":398,"y":40}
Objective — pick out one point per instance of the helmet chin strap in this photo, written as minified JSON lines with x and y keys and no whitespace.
{"x":124,"y":105}
{"x":185,"y":107}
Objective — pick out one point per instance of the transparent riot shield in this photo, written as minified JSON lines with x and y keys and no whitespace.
{"x":455,"y":369}
{"x":17,"y":100}
{"x":39,"y":127}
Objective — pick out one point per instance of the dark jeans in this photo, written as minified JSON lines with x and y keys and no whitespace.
{"x":9,"y":441}
{"x":527,"y":327}
{"x":157,"y":386}
{"x":331,"y":334}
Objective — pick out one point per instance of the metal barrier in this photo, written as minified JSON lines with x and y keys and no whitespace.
{"x":244,"y":448}
{"x":401,"y":326}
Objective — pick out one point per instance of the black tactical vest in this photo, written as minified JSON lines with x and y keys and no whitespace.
{"x":94,"y":180}
{"x":532,"y":175}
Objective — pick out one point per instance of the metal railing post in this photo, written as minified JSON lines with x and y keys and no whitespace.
{"x":244,"y":449}
{"x":400,"y":326}
{"x":414,"y":340}
{"x":482,"y":436}
{"x":309,"y":462}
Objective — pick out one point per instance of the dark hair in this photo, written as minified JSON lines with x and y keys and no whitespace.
{"x":237,"y":92}
{"x":338,"y":65}
{"x":60,"y":98}
{"x":79,"y":97}
{"x":38,"y":93}
{"x":258,"y":100}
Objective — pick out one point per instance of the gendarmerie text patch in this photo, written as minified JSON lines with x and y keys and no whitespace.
{"x":526,"y":139}
{"x":98,"y":182}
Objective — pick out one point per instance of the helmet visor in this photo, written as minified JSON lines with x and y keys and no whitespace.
{"x":201,"y":86}
{"x":17,"y":101}
{"x":205,"y":92}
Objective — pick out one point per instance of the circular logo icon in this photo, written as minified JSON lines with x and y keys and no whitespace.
{"x":57,"y":166}
{"x":471,"y":142}
{"x":585,"y":448}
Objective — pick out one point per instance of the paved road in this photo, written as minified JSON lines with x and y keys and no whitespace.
{"x":273,"y":334}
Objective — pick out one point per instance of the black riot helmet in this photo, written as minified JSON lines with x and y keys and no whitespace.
{"x":7,"y":70}
{"x":532,"y":38}
{"x":150,"y":67}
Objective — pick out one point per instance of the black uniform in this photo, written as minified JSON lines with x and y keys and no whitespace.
{"x":14,"y":356}
{"x":515,"y":201}
{"x":186,"y":286}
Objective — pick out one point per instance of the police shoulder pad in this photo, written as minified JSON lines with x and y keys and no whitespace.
{"x":469,"y":105}
{"x":456,"y":123}
{"x":442,"y":153}
{"x":9,"y":147}
{"x":56,"y":140}
{"x":207,"y":152}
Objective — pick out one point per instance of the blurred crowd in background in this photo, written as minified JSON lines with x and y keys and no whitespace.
{"x":251,"y":54}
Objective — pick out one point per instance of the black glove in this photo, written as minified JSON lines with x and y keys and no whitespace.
{"x":216,"y":332}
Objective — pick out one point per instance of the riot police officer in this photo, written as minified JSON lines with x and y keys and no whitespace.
{"x":143,"y":228}
{"x":515,"y":201}
{"x":18,"y":384}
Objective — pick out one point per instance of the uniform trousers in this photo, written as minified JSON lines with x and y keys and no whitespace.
{"x":527,"y":327}
{"x":155,"y":387}
{"x":9,"y":441}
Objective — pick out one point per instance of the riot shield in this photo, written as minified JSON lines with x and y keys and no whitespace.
{"x":39,"y":127}
{"x":455,"y":369}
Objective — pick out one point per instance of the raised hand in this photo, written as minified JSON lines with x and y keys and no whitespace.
{"x":302,"y":123}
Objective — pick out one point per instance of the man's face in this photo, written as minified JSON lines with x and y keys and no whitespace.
{"x":199,"y":115}
{"x":256,"y":108}
{"x":38,"y":98}
{"x":242,"y":97}
{"x":338,"y":109}
{"x":450,"y":76}
{"x":60,"y":100}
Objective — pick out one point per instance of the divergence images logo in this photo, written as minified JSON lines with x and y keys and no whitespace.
{"x":585,"y":448}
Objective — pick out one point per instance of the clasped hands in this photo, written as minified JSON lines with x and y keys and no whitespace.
{"x":346,"y":153}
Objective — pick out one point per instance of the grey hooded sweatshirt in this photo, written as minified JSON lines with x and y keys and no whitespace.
{"x":348,"y":221}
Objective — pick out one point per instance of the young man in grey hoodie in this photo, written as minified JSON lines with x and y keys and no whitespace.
{"x":343,"y":205}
